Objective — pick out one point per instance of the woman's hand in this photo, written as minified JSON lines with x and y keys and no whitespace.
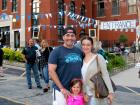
{"x":110,"y":98}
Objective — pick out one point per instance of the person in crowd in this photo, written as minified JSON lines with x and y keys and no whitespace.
{"x":89,"y":68}
{"x":117,"y":49}
{"x":133,"y":47}
{"x":65,"y":64}
{"x":122,"y":48}
{"x":78,"y":43}
{"x":101,"y":51}
{"x":36,"y":42}
{"x":77,"y":97}
{"x":43,"y":59}
{"x":1,"y":62}
{"x":29,"y":56}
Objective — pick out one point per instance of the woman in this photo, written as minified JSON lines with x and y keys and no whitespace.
{"x":89,"y":68}
{"x":45,"y":52}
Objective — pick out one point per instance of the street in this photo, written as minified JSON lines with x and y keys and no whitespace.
{"x":14,"y":91}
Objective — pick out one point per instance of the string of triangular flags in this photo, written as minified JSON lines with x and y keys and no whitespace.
{"x":73,"y":16}
{"x":80,"y":21}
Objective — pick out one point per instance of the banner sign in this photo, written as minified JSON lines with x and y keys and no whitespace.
{"x":125,"y":24}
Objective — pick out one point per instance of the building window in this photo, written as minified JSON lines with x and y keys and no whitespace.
{"x":100,"y":8}
{"x":5,"y":36}
{"x":35,"y":12}
{"x":36,"y":6}
{"x":60,"y":18}
{"x":14,"y":5}
{"x":115,"y":7}
{"x":35,"y":32}
{"x":16,"y":39}
{"x":72,"y":7}
{"x":35,"y":19}
{"x":131,"y":6}
{"x":4,"y":4}
{"x":83,"y":10}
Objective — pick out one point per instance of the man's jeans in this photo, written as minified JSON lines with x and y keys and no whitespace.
{"x":46,"y":74}
{"x":35,"y":72}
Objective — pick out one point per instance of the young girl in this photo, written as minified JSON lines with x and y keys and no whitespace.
{"x":76,"y":97}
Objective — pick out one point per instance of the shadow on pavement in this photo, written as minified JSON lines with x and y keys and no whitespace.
{"x":4,"y":101}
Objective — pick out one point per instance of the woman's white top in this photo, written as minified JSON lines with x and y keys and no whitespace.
{"x":84,"y":70}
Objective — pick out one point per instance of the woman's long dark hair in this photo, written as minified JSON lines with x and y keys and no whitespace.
{"x":90,"y":39}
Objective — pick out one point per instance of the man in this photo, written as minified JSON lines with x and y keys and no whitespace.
{"x":36,"y":43}
{"x":29,"y":56}
{"x":78,"y":43}
{"x":65,"y":64}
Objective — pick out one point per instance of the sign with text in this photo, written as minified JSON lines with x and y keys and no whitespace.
{"x":125,"y":24}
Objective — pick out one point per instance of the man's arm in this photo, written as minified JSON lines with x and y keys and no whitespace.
{"x":23,"y":56}
{"x":54,"y":76}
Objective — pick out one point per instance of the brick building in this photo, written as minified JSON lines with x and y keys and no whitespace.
{"x":21,"y":20}
{"x":115,"y":10}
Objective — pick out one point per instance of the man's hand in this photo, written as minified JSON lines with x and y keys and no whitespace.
{"x":65,"y":92}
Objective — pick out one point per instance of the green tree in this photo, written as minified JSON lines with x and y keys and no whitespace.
{"x":123,"y":38}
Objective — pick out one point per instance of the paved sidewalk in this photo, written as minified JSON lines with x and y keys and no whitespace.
{"x":15,"y":88}
{"x":127,"y":78}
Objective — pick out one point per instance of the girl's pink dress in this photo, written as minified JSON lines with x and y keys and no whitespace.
{"x":75,"y":100}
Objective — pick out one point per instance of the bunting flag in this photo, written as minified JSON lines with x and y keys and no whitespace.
{"x":35,"y":16}
{"x":29,"y":17}
{"x":42,"y":16}
{"x":46,"y":16}
{"x":43,"y":27}
{"x":50,"y":15}
{"x":75,"y":17}
{"x":17,"y":17}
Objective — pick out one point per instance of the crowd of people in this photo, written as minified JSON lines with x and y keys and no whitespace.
{"x":36,"y":59}
{"x":70,"y":67}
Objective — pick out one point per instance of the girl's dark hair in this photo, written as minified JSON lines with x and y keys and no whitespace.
{"x":75,"y":81}
{"x":87,"y":38}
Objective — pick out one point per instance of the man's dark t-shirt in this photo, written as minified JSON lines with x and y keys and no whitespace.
{"x":30,"y":54}
{"x":69,"y":63}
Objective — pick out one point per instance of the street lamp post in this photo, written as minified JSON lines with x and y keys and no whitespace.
{"x":14,"y":21}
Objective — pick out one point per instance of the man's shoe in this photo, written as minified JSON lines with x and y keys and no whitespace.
{"x":40,"y":87}
{"x":45,"y":90}
{"x":30,"y":87}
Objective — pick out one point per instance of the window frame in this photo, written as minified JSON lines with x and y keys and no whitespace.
{"x":133,"y":7}
{"x":116,"y":7}
{"x":14,"y":5}
{"x":99,"y":13}
{"x":61,"y":19}
{"x":72,"y":7}
{"x":4,"y":4}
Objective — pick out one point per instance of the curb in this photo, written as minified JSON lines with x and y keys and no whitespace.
{"x":14,"y":67}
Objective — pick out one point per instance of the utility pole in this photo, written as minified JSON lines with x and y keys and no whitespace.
{"x":66,"y":17}
{"x":138,"y":27}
